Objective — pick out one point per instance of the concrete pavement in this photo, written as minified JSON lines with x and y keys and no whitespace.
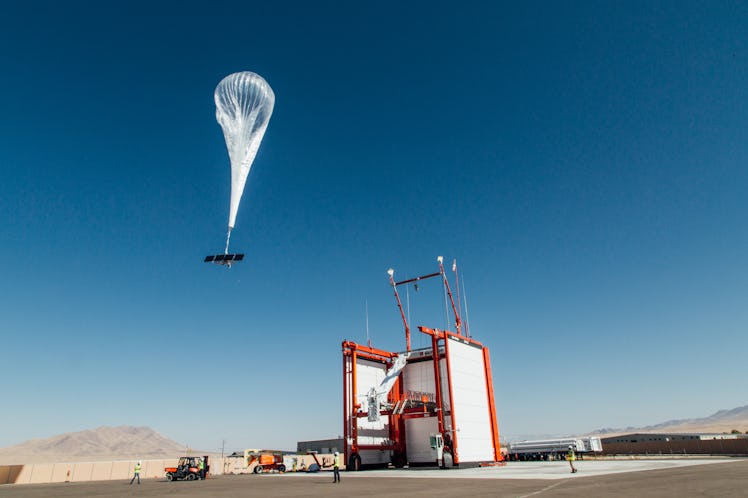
{"x":601,"y":479}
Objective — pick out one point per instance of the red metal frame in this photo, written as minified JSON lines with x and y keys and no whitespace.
{"x":437,"y":383}
{"x":492,"y":407}
{"x":443,"y":335}
{"x":352,"y":351}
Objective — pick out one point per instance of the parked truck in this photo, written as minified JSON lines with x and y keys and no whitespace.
{"x":553,"y":449}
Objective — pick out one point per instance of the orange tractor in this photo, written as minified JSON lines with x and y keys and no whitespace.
{"x":188,"y":468}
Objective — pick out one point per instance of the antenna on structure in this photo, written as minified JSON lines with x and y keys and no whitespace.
{"x":467,"y":315}
{"x":457,"y":286}
{"x":368,"y":339}
{"x":458,"y":321}
{"x":446,"y":308}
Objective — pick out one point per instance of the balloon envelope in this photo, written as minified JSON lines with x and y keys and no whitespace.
{"x":244,"y":103}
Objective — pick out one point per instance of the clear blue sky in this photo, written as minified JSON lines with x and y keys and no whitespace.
{"x":585,"y":162}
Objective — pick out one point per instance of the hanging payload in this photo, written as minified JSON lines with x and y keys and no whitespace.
{"x":244,"y":103}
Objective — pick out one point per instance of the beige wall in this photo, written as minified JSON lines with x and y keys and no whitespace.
{"x":88,"y":471}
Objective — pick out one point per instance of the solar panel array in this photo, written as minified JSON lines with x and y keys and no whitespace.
{"x":224,"y":258}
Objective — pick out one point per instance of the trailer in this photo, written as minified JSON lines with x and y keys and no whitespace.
{"x":431,"y":406}
{"x":553,"y":449}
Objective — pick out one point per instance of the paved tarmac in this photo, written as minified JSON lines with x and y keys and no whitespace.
{"x":603,"y":479}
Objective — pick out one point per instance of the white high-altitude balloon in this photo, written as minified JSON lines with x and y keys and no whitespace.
{"x":244,"y":103}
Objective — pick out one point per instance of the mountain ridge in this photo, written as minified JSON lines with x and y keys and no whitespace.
{"x":720,"y":421}
{"x":122,"y":442}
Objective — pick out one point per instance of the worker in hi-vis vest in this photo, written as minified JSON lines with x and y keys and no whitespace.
{"x":570,"y":456}
{"x":137,"y":473}
{"x":201,"y":468}
{"x":336,"y":468}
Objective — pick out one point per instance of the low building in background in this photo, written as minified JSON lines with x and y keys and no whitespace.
{"x":321,"y":446}
{"x":676,"y":443}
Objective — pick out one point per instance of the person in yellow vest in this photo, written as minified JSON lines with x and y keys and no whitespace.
{"x":201,"y":468}
{"x":570,"y":456}
{"x":137,"y":473}
{"x":336,"y":468}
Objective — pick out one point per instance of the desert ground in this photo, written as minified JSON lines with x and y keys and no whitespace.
{"x":676,"y":478}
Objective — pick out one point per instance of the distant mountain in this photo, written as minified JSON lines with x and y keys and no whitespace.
{"x":124,"y":442}
{"x":721,"y":421}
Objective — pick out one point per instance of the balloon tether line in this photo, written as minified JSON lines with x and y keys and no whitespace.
{"x":228,"y":237}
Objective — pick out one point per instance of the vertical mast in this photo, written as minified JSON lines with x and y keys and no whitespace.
{"x":391,"y":273}
{"x":457,"y":288}
{"x":458,"y":322}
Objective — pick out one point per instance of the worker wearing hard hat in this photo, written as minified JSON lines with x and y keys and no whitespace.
{"x":570,"y":456}
{"x":136,"y":473}
{"x":336,"y":468}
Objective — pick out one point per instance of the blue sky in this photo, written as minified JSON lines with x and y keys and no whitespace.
{"x":584,"y":163}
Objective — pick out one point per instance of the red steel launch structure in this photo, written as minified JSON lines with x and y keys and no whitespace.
{"x":445,"y":390}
